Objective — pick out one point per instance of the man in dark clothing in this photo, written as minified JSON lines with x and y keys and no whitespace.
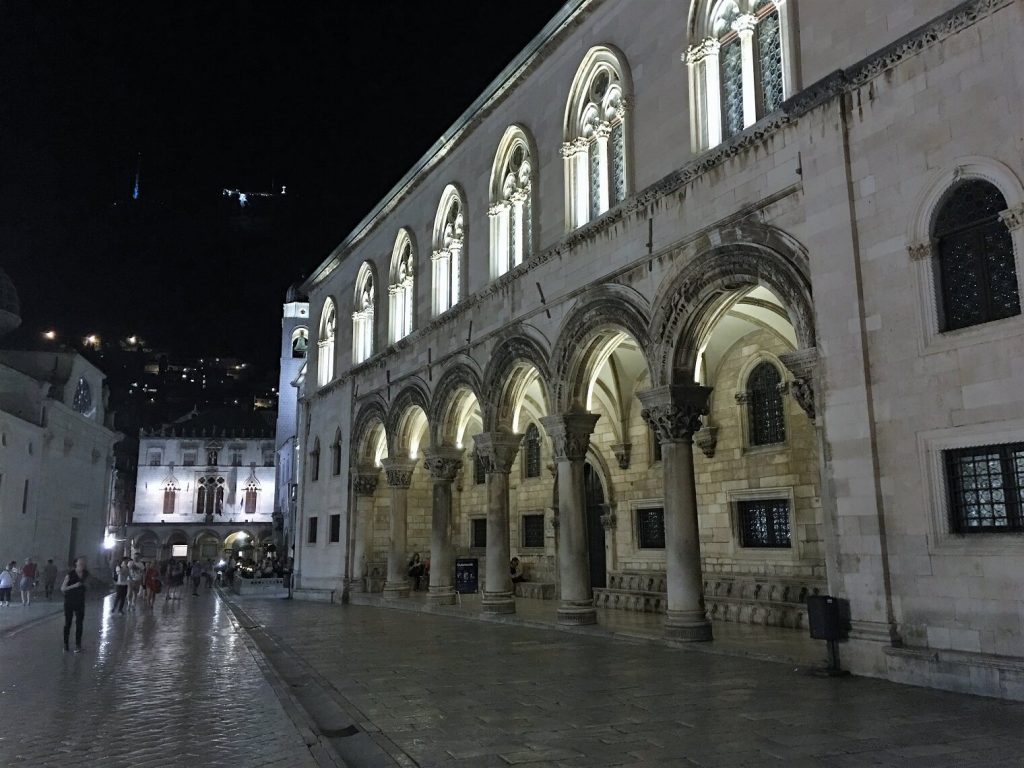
{"x":73,"y":588}
{"x":49,"y":578}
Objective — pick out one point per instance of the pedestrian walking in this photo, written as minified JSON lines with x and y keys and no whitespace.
{"x":28,"y":582}
{"x":176,"y":580}
{"x":49,"y":578}
{"x":73,"y":588}
{"x":134,"y":582}
{"x":121,"y":583}
{"x":197,"y":575}
{"x":151,"y":580}
{"x":7,"y":583}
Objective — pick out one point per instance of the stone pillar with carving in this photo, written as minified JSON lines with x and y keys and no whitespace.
{"x":497,"y":450}
{"x":364,"y":486}
{"x":803,"y":364}
{"x":443,"y":464}
{"x":674,"y":412}
{"x":399,"y":475}
{"x":570,"y":436}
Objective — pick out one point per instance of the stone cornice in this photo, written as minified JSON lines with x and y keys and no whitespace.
{"x":817,"y":94}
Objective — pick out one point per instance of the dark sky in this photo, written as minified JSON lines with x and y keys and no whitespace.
{"x":335,"y":100}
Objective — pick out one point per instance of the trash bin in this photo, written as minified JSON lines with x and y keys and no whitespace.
{"x":823,"y":617}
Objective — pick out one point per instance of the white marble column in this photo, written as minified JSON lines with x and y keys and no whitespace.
{"x":570,"y":436}
{"x":364,"y":486}
{"x":443,"y":464}
{"x":399,"y":475}
{"x":673,"y":412}
{"x":498,"y":450}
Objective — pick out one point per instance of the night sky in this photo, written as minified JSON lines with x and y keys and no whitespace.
{"x":334,"y":100}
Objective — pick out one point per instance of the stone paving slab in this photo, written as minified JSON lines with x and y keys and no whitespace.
{"x":176,"y":686}
{"x":449,"y":692}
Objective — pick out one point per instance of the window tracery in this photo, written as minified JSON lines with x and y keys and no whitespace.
{"x":328,"y":331}
{"x":449,"y":250}
{"x":362,"y":317}
{"x":739,"y":67}
{"x":402,"y":287}
{"x":594,"y":150}
{"x":511,"y":198}
{"x":764,"y":406}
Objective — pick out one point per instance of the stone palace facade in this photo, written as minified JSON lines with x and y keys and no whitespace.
{"x":700,"y":309}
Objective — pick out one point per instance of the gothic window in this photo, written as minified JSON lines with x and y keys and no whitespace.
{"x":325,"y":345}
{"x":212,"y":457}
{"x":594,"y":148}
{"x":251,"y":495}
{"x":82,"y":402}
{"x":739,"y":71}
{"x":300,"y":342}
{"x":977,"y":274}
{"x":532,"y":445}
{"x":210,"y":496}
{"x":764,"y":523}
{"x":362,"y":317}
{"x":479,"y":474}
{"x":170,"y":495}
{"x":650,"y":528}
{"x":449,"y":250}
{"x":314,"y":461}
{"x":764,"y":406}
{"x":986,"y":488}
{"x":533,"y":531}
{"x":336,"y":454}
{"x":511,"y":203}
{"x":402,"y":287}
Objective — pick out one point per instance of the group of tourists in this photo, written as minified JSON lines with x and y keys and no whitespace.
{"x":25,"y":579}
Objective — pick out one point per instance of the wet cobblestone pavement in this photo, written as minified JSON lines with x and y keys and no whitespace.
{"x":177,"y":686}
{"x":440,"y":692}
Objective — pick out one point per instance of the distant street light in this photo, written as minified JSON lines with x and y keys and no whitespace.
{"x":51,"y":335}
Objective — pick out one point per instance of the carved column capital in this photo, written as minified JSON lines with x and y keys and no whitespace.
{"x":364,"y":479}
{"x":674,"y":411}
{"x":622,"y":452}
{"x":1013,"y":218}
{"x":570,"y":433}
{"x":399,"y":471}
{"x":707,"y":440}
{"x":921,"y":251}
{"x":803,"y":364}
{"x":608,"y":518}
{"x":443,"y":464}
{"x":698,"y":52}
{"x":744,"y":25}
{"x":497,"y":450}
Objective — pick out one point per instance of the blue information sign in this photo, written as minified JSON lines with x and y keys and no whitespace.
{"x":467,"y":575}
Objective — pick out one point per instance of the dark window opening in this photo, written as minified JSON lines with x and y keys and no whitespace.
{"x":765,"y":523}
{"x":478,"y":533}
{"x":533,"y":531}
{"x":650,"y":528}
{"x":986,"y":488}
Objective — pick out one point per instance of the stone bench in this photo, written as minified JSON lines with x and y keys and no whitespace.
{"x":538,"y":590}
{"x":777,"y":601}
{"x":260,"y":586}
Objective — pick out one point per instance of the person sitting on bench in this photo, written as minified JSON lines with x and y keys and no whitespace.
{"x":415,"y":570}
{"x":516,"y":571}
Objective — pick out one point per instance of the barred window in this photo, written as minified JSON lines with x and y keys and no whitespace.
{"x":532,"y":441}
{"x":986,"y":488}
{"x":977,"y":273}
{"x":311,"y":530}
{"x":478,"y":533}
{"x":533,"y":531}
{"x":765,"y":523}
{"x":335,"y":529}
{"x":764,"y":404}
{"x":650,"y":528}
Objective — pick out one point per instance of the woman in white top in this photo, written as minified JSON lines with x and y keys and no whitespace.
{"x":7,"y":583}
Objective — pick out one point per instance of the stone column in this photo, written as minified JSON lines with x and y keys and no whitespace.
{"x":443,"y":464}
{"x":498,"y":450}
{"x":570,"y":436}
{"x":364,"y":486}
{"x":673,"y":412}
{"x":399,"y":474}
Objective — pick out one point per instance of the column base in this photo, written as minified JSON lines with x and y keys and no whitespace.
{"x":395,"y":589}
{"x":441,"y":595}
{"x":355,"y":584}
{"x":497,"y":602}
{"x":577,"y":614}
{"x":687,"y":626}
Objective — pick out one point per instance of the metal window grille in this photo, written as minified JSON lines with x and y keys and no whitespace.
{"x":986,"y":488}
{"x":650,"y":528}
{"x":769,"y":49}
{"x":765,"y":523}
{"x":732,"y":87}
{"x":478,"y":533}
{"x":533,"y":530}
{"x":764,"y":403}
{"x":976,"y":268}
{"x":532,"y":451}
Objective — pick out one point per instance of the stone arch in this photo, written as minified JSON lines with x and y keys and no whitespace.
{"x":462,"y":375}
{"x":522,"y":345}
{"x":415,"y":394}
{"x":371,"y":415}
{"x":603,"y":307}
{"x":745,"y":256}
